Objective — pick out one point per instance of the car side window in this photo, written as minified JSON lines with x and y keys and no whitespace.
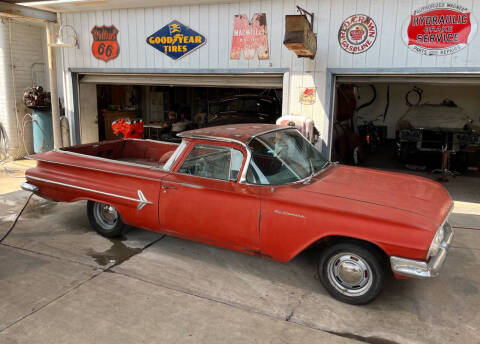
{"x":215,"y":162}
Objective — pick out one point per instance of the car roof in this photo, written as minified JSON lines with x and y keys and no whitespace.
{"x":232,"y":132}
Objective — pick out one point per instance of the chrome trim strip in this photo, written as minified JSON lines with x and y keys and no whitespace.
{"x":270,"y":131}
{"x":104,"y":159}
{"x":112,"y":160}
{"x":193,"y":186}
{"x":155,"y":141}
{"x":421,"y":269}
{"x":100,"y":170}
{"x":142,"y":200}
{"x":188,"y":185}
{"x":180,"y":149}
{"x":211,"y":138}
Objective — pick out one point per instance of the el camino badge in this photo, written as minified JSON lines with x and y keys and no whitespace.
{"x":281,"y":212}
{"x":176,"y":40}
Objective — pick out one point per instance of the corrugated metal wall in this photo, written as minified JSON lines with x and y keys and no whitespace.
{"x":215,"y":22}
{"x":21,"y":48}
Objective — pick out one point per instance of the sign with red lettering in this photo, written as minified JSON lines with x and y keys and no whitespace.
{"x":357,"y":34}
{"x":105,"y":45}
{"x":439,"y":29}
{"x":250,"y":37}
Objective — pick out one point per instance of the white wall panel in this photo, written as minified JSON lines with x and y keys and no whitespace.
{"x":215,"y":22}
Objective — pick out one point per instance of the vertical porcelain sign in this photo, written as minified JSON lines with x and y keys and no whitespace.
{"x":250,"y":37}
{"x":439,"y":29}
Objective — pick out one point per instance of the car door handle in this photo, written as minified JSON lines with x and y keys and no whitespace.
{"x":165,"y":187}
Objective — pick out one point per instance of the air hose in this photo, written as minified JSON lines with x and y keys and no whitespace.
{"x":16,"y":218}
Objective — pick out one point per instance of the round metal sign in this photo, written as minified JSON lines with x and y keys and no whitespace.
{"x":357,"y":34}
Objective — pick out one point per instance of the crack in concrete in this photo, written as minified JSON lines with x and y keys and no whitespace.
{"x":101,"y":271}
{"x":49,"y":255}
{"x":52,"y":301}
{"x":363,"y":339}
{"x":300,"y":301}
{"x":288,"y":318}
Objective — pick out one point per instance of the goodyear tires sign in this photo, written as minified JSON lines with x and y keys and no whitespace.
{"x":176,"y":40}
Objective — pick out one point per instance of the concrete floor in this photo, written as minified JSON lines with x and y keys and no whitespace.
{"x":12,"y":174}
{"x":61,"y":282}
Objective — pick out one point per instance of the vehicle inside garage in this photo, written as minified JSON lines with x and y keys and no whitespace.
{"x":159,"y":107}
{"x":426,"y":124}
{"x":167,"y":110}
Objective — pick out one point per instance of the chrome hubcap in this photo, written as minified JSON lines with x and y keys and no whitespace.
{"x":349,"y":274}
{"x":105,"y":215}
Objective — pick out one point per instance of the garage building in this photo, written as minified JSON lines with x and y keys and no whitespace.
{"x":393,"y":47}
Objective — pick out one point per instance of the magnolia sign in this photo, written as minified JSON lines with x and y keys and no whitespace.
{"x":439,"y":29}
{"x":250,"y":37}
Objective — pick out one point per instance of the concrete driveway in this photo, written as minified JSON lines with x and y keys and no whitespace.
{"x":61,"y":282}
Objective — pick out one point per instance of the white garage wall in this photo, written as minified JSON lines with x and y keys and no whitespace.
{"x":21,"y":50}
{"x":215,"y":22}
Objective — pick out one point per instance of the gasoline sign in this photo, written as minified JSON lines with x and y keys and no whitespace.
{"x":105,"y":45}
{"x":439,"y":29}
{"x":357,"y":34}
{"x":176,"y":40}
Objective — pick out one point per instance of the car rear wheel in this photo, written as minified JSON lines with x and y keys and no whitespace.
{"x":351,"y":272}
{"x":105,"y":219}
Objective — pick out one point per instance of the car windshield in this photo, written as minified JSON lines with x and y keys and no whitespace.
{"x":283,"y":157}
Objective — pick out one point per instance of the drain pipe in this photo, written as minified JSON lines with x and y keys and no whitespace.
{"x":57,"y":132}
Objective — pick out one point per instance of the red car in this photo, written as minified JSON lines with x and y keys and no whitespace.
{"x":264,"y":190}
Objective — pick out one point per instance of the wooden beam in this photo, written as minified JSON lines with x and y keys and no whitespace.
{"x":18,"y":11}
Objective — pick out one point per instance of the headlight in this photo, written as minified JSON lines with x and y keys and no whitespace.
{"x":436,"y":243}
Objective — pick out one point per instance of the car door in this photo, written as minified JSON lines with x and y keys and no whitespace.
{"x":203,"y":200}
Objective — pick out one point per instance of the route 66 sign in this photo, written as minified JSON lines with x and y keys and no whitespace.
{"x":105,"y":45}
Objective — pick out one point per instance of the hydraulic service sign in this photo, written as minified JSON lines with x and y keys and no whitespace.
{"x":439,"y":29}
{"x":176,"y":40}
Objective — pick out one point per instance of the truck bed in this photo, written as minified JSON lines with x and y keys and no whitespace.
{"x":134,"y":151}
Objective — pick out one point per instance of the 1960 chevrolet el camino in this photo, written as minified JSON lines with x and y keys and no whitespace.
{"x":263,"y":190}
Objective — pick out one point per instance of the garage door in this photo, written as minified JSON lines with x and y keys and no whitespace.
{"x":199,"y":80}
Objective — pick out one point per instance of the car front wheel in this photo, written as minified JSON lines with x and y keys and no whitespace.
{"x":352,"y":273}
{"x":105,"y":219}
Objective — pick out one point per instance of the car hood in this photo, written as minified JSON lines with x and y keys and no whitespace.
{"x":407,"y":193}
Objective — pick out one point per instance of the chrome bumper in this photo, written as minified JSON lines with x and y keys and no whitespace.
{"x":421,"y":269}
{"x":29,"y":187}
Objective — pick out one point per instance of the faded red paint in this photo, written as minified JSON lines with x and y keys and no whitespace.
{"x":399,"y":213}
{"x":250,"y":37}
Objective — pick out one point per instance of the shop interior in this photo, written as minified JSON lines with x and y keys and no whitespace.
{"x":431,"y":127}
{"x":164,"y":111}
